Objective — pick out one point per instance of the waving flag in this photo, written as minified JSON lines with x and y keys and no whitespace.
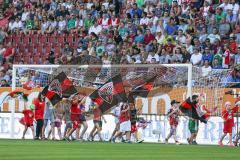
{"x":141,"y":90}
{"x":110,"y":94}
{"x":59,"y":87}
{"x":16,"y":94}
{"x":192,"y":110}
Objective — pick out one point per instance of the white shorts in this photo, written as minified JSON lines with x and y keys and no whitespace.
{"x":125,"y":126}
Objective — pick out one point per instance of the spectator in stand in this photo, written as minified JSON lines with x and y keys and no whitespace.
{"x":196,"y":57}
{"x":237,"y":56}
{"x":216,"y":64}
{"x":206,"y":69}
{"x":207,"y":56}
{"x":4,"y":83}
{"x":105,"y":30}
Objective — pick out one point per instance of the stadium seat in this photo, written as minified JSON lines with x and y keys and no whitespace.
{"x":36,"y":58}
{"x":43,"y":39}
{"x":22,"y":48}
{"x":70,"y":39}
{"x":17,"y":39}
{"x":26,"y":39}
{"x":57,"y":50}
{"x":30,"y":49}
{"x":52,"y":39}
{"x":8,"y":39}
{"x":39,"y":49}
{"x":17,"y":58}
{"x":27,"y":58}
{"x":46,"y":49}
{"x":61,"y":39}
{"x":34,"y":39}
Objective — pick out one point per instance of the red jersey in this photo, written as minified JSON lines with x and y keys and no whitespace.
{"x":39,"y":108}
{"x":148,"y":38}
{"x":28,"y":116}
{"x":124,"y":116}
{"x":228,"y":116}
{"x":75,"y":112}
{"x":173,"y":118}
{"x":8,"y":52}
{"x":97,"y":114}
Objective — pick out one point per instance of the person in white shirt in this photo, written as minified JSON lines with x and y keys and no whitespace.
{"x":25,"y":14}
{"x":206,"y":69}
{"x":45,"y":25}
{"x":181,"y":38}
{"x":17,"y":25}
{"x":144,"y":20}
{"x":61,"y":24}
{"x":152,"y":55}
{"x":213,"y":36}
{"x":160,"y":38}
{"x":235,"y":7}
{"x":10,"y":25}
{"x":95,"y":28}
{"x":196,"y":57}
{"x":225,"y":5}
{"x":52,"y":26}
{"x":116,"y":113}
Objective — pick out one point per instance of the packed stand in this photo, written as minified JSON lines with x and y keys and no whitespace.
{"x":204,"y":33}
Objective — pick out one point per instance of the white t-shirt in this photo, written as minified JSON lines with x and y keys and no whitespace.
{"x":62,"y":25}
{"x":18,"y":25}
{"x":213,"y":37}
{"x":205,"y":71}
{"x":116,"y":111}
{"x":24,"y":16}
{"x":144,"y":20}
{"x":149,"y":58}
{"x":95,"y":30}
{"x":10,"y":26}
{"x":196,"y":58}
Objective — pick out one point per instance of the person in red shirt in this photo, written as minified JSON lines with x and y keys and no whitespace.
{"x":149,"y":37}
{"x":173,"y":114}
{"x":97,"y":121}
{"x":125,"y":123}
{"x":39,"y":103}
{"x":27,"y":120}
{"x":75,"y":114}
{"x":228,"y":118}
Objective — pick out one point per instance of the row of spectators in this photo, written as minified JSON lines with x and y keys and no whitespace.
{"x":204,"y":33}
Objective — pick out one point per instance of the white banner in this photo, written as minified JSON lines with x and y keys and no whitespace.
{"x":208,"y":133}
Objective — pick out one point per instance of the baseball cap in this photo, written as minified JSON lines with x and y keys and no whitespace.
{"x":174,"y":102}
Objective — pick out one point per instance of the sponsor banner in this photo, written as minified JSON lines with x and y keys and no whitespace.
{"x":156,"y":131}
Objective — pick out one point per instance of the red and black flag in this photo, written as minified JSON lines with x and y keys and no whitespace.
{"x":60,"y":87}
{"x":191,"y":109}
{"x":141,"y":90}
{"x":110,"y":94}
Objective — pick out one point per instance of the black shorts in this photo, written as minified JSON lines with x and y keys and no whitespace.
{"x":29,"y":125}
{"x":98,"y":122}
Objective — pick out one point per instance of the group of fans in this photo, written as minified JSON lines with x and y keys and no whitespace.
{"x":204,"y":33}
{"x":74,"y":115}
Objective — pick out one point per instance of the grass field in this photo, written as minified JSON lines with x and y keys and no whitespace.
{"x":42,"y":150}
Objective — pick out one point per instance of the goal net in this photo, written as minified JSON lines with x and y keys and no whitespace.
{"x":174,"y":81}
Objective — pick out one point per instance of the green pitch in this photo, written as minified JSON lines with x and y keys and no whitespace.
{"x":56,"y":150}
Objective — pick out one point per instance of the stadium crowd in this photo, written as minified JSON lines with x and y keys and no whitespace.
{"x":204,"y":33}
